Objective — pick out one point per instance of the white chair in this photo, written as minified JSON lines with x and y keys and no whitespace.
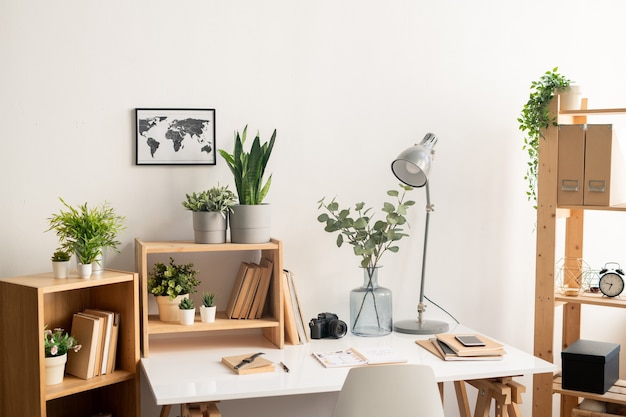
{"x":399,"y":390}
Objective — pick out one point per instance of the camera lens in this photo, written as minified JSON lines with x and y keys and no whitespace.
{"x":337,"y":328}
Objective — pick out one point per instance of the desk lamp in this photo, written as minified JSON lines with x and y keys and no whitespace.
{"x":412,"y":167}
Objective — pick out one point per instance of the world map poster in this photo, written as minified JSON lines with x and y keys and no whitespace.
{"x":175,"y":136}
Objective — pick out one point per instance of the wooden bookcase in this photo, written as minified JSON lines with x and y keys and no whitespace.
{"x":271,"y":325}
{"x":546,"y":300}
{"x":30,"y":303}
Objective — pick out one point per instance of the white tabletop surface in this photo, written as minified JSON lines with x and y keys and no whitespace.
{"x":185,"y":370}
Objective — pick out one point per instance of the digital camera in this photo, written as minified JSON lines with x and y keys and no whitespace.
{"x":327,"y":325}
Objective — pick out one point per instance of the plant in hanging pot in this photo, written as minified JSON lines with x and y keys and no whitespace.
{"x":170,"y":284}
{"x":61,"y":263}
{"x":186,"y":311}
{"x":210,"y":210}
{"x":250,"y":219}
{"x":535,"y":118}
{"x":83,"y":227}
{"x":208,"y":307}
{"x":57,"y":343}
{"x":370,"y":305}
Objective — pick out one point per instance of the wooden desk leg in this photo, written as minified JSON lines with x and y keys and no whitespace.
{"x":461,"y":399}
{"x":165,"y":410}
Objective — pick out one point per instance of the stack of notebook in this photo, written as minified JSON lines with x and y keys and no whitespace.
{"x":459,"y":347}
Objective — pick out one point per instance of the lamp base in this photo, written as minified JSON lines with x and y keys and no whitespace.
{"x":425,"y":327}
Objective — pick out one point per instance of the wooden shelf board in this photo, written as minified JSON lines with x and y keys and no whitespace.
{"x":592,"y":299}
{"x":603,"y":208}
{"x":189,"y":246}
{"x":72,"y":385}
{"x":156,"y":326}
{"x":593,"y":111}
{"x":48,"y":284}
{"x":616,"y":394}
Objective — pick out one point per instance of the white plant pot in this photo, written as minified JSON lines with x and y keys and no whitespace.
{"x":55,"y":369}
{"x":168,"y":310}
{"x":186,"y":317}
{"x":207,"y":314}
{"x":61,"y":269}
{"x":250,"y":223}
{"x":571,"y":97}
{"x":84,"y":270}
{"x":209,"y":227}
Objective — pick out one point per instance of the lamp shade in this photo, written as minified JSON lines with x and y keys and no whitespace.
{"x":412,"y":166}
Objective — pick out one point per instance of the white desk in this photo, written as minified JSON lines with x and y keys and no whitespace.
{"x":190,"y":370}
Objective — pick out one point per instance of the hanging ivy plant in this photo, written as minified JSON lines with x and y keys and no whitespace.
{"x":535,"y":118}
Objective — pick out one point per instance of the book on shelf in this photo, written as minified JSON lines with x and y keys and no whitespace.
{"x":359,"y":357}
{"x":86,"y":331}
{"x":291,"y":328}
{"x":293,"y":309}
{"x":100,"y":338}
{"x":259,"y":365}
{"x":267,"y":269}
{"x":248,"y":291}
{"x":111,"y":330}
{"x":247,"y":298}
{"x":234,"y":294}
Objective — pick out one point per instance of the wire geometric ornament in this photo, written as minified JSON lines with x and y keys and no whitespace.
{"x":574,"y":276}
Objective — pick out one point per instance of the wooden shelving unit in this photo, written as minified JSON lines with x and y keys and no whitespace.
{"x":271,"y":325}
{"x":548,"y":212}
{"x":30,"y":303}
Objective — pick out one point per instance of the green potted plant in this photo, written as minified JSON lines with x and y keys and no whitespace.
{"x":210,"y":211}
{"x":535,"y":118}
{"x":87,"y":231}
{"x":56,"y":345}
{"x":187,"y":311}
{"x":170,"y":284}
{"x":208,"y":308}
{"x":250,"y":219}
{"x":61,"y":263}
{"x":370,"y":305}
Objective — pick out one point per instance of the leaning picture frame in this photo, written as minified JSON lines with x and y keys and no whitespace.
{"x":175,"y":136}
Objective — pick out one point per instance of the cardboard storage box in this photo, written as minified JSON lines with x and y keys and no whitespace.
{"x":590,"y":366}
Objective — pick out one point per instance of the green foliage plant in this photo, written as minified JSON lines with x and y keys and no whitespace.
{"x":172,"y":280}
{"x":86,"y":231}
{"x":208,"y":299}
{"x":535,"y":118}
{"x":186,"y":304}
{"x":215,"y":199}
{"x":61,"y":255}
{"x":57,"y":342}
{"x":248,"y":168}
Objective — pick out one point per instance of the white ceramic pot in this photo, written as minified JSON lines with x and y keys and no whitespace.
{"x":570,"y":97}
{"x":168,"y":310}
{"x":61,"y":269}
{"x":186,"y":317}
{"x":84,"y":270}
{"x":55,"y":369}
{"x":207,"y":314}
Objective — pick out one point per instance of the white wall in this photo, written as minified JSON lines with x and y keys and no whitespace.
{"x":348,"y":85}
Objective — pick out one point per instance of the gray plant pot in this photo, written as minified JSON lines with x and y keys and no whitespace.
{"x":250,"y":223}
{"x":209,"y":227}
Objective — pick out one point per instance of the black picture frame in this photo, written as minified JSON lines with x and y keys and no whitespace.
{"x":175,"y":136}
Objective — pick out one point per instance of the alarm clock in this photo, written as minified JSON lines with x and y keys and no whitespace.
{"x":611,"y":280}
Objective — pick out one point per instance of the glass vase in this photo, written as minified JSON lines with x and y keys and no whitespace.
{"x":370,"y":307}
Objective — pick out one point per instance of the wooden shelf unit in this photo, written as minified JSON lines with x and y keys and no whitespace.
{"x":272,"y":326}
{"x":548,"y":212}
{"x":30,"y":303}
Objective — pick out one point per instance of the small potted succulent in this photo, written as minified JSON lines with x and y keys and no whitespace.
{"x":186,"y":311}
{"x":250,"y":219}
{"x":56,"y":345}
{"x":170,"y":284}
{"x":210,"y":211}
{"x":208,"y":307}
{"x":61,"y":263}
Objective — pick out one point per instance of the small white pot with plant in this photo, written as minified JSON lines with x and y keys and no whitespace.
{"x":208,"y":307}
{"x":57,"y":343}
{"x":210,"y":211}
{"x":170,"y":284}
{"x":186,"y":311}
{"x":61,"y":263}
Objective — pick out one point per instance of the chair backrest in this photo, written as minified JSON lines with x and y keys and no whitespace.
{"x":398,"y":390}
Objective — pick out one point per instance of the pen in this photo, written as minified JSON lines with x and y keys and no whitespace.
{"x":284,"y":367}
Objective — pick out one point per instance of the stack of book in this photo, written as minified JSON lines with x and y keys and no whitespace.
{"x":463,"y":347}
{"x":97,"y":332}
{"x":296,"y":330}
{"x":247,"y":299}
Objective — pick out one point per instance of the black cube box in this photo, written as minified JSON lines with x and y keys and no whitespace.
{"x":590,"y":366}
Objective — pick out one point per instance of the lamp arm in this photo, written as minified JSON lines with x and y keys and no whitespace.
{"x":429,"y":208}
